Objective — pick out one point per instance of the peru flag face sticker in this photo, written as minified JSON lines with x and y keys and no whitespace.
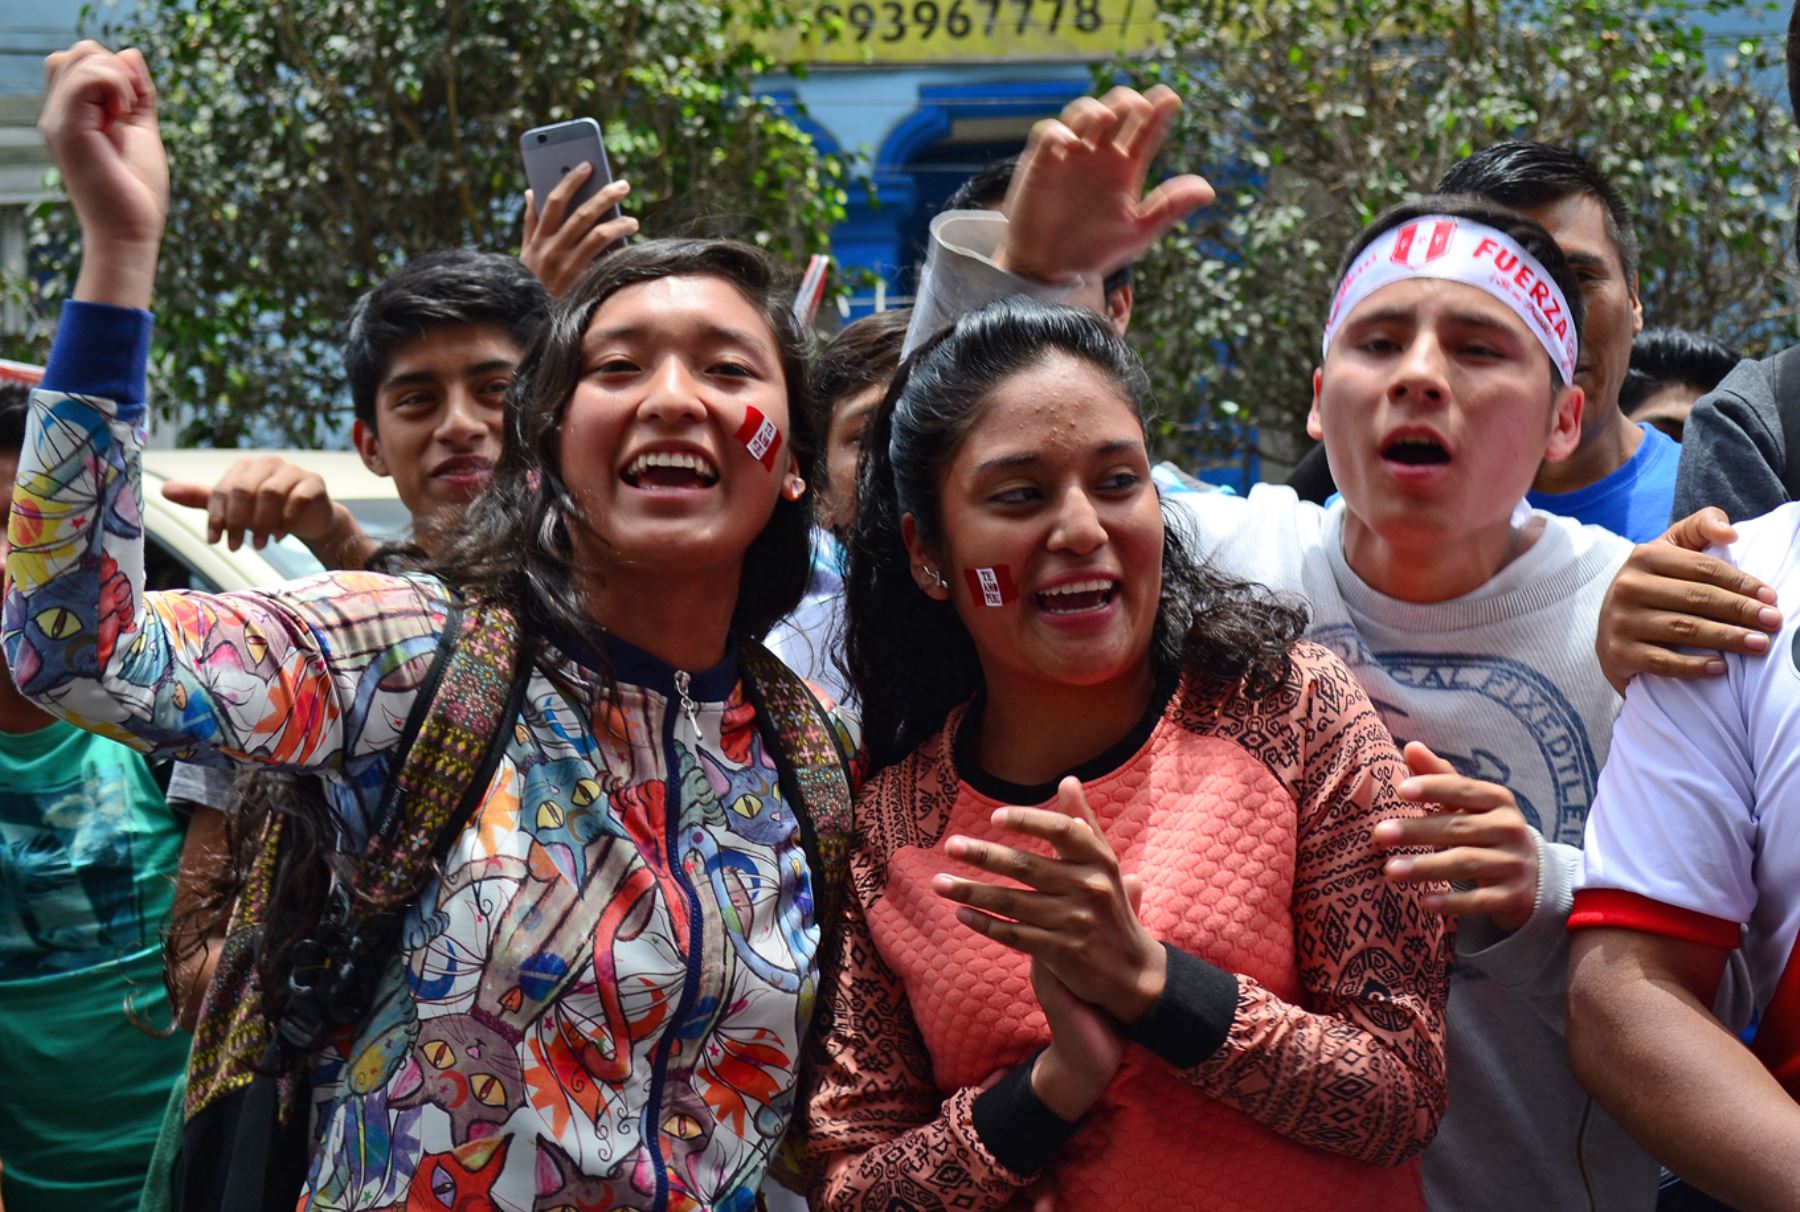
{"x":760,"y":437}
{"x":991,"y":586}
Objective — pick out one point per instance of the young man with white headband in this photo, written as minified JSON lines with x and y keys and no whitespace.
{"x":1446,"y":380}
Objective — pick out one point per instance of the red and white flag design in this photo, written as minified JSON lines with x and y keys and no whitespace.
{"x":760,"y":437}
{"x":991,"y":586}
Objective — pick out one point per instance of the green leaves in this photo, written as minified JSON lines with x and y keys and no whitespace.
{"x":314,"y":147}
{"x":1369,"y":101}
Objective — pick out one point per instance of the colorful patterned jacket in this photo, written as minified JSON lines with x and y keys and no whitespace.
{"x":602,"y":1000}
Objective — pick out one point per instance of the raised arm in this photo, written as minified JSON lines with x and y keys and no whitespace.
{"x":311,"y":676}
{"x":1077,"y":209}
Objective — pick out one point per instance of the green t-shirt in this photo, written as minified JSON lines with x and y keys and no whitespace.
{"x":88,"y":854}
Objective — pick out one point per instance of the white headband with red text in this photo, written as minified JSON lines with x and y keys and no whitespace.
{"x":1460,"y":250}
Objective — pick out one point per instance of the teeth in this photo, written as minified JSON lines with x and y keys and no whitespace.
{"x":1411,"y":441}
{"x":1078,"y":587}
{"x":673,"y":459}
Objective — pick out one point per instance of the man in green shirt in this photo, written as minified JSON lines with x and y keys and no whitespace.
{"x":87,"y":853}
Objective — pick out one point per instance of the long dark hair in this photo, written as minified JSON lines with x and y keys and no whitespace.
{"x":908,"y":655}
{"x":513,"y":546}
{"x":513,"y":543}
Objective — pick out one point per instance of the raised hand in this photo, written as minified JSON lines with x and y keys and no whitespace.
{"x":1479,"y":836}
{"x":1670,"y":595}
{"x":264,"y":497}
{"x":99,"y":124}
{"x":1077,"y":205}
{"x":1075,"y":914}
{"x":559,"y":246}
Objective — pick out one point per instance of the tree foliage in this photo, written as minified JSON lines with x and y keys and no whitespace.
{"x":315,"y":146}
{"x":1311,"y":116}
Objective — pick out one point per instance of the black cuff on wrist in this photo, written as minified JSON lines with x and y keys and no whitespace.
{"x":1193,"y":1017}
{"x":1021,"y":1132}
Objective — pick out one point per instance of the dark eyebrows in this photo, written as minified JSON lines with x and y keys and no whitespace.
{"x":1027,"y":458}
{"x":1586,"y":260}
{"x":431,"y":378}
{"x":858,"y":413}
{"x":417,"y":378}
{"x":1024,"y":458}
{"x":1401,"y":315}
{"x":1476,"y":319}
{"x":717,"y":334}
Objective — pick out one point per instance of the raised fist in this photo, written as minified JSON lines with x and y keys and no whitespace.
{"x":99,"y":123}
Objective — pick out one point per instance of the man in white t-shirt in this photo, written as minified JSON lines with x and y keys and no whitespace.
{"x":1693,"y":853}
{"x":1446,"y":379}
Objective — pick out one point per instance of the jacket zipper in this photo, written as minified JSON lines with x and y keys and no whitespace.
{"x":672,"y":812}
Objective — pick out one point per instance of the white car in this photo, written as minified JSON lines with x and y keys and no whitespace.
{"x":177,"y":555}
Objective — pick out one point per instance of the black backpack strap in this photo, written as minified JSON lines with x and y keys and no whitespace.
{"x":473,"y":693}
{"x":813,"y":768}
{"x":1783,"y":371}
{"x":256,"y":1139}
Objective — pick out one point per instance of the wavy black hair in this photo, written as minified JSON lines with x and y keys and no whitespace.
{"x":513,"y":543}
{"x":454,"y":286}
{"x":909,"y":656}
{"x":512,"y":546}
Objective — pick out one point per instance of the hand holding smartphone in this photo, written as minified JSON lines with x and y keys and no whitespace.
{"x":570,"y":218}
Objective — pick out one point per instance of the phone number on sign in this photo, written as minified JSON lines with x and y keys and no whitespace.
{"x":922,"y":20}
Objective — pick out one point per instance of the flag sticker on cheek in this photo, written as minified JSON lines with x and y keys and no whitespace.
{"x":991,"y":586}
{"x":760,"y":437}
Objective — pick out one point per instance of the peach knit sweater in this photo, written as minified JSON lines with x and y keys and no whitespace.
{"x":1296,"y":1060}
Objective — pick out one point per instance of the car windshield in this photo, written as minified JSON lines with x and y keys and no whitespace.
{"x":382,"y":519}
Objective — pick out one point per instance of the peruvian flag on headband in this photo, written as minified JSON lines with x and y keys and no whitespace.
{"x":991,"y":586}
{"x":760,"y":437}
{"x":1462,"y":250}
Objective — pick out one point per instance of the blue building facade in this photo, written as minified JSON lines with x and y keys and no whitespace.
{"x":916,"y":134}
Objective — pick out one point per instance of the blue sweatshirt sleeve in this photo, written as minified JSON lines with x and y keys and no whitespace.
{"x":293,"y":676}
{"x":104,"y":351}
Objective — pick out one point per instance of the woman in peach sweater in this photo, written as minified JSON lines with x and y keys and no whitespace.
{"x":1176,"y":976}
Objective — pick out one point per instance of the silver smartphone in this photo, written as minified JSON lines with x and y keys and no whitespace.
{"x":550,"y":152}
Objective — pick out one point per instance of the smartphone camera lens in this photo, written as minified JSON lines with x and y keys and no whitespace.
{"x":543,"y":138}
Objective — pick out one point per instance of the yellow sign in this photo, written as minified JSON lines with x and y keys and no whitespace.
{"x":947,"y":31}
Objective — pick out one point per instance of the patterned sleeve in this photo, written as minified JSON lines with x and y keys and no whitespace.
{"x":876,"y":1132}
{"x":316,"y":674}
{"x":1357,"y":1066}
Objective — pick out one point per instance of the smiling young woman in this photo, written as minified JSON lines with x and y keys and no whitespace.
{"x":597,"y":996}
{"x":1120,"y":804}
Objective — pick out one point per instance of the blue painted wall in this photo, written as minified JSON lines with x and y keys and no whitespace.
{"x":918,"y":133}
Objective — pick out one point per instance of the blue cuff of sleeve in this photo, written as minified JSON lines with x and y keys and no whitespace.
{"x":1193,"y":1017}
{"x":1014,"y":1124}
{"x":102,"y":350}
